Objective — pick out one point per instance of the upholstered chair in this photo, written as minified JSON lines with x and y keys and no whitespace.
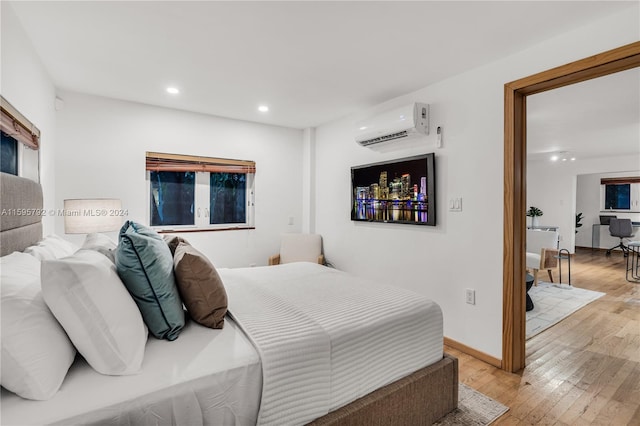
{"x":299,"y":248}
{"x":542,"y":249}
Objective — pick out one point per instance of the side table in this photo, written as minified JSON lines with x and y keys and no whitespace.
{"x":563,"y":254}
{"x":529,"y":282}
{"x":633,"y":262}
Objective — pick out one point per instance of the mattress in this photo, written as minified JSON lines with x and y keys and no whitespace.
{"x":301,"y":340}
{"x":327,"y":338}
{"x":204,"y":377}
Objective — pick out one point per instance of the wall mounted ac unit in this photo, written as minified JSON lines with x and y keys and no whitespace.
{"x":399,"y":123}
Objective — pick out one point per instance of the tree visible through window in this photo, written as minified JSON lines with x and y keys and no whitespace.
{"x":227,"y":198}
{"x":172,"y":198}
{"x":9,"y":155}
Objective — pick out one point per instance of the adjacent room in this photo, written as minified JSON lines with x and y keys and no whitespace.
{"x":326,"y":213}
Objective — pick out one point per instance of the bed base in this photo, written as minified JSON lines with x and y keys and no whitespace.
{"x":418,"y":399}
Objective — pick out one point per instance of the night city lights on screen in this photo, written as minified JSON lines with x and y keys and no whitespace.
{"x":398,"y":191}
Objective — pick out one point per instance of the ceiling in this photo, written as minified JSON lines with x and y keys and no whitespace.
{"x":314,"y":62}
{"x":591,"y":119}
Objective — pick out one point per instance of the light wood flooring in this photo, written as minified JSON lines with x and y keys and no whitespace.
{"x":584,"y":370}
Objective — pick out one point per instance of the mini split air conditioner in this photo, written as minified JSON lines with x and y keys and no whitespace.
{"x":399,"y":123}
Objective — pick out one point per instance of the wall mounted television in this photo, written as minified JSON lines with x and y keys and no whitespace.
{"x":397,"y":191}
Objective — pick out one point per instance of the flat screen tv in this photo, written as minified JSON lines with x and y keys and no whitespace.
{"x":397,"y":191}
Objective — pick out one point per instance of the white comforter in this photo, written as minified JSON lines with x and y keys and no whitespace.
{"x":326,"y":338}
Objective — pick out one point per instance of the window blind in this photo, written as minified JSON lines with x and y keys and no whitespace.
{"x":620,"y":180}
{"x":162,"y":162}
{"x":17,"y":126}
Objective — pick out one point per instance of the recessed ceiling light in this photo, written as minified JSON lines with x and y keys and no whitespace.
{"x":173,"y":90}
{"x":573,"y":158}
{"x":554,"y":158}
{"x":564,"y":159}
{"x":263,"y":108}
{"x":363,"y":128}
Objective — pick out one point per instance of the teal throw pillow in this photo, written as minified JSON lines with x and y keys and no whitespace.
{"x":145,"y":265}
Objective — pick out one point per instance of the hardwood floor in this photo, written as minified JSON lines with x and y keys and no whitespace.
{"x":585,"y":369}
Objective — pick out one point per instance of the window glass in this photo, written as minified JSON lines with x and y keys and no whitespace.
{"x":227,"y":198}
{"x":617,"y":196}
{"x":9,"y":154}
{"x":172,"y":198}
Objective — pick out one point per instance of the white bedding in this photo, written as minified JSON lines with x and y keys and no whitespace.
{"x":324,"y":339}
{"x":327,"y":338}
{"x":205,"y":377}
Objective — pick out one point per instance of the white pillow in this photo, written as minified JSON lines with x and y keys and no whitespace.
{"x":87,"y":297}
{"x":36,"y":352}
{"x":101,"y":243}
{"x":51,"y":247}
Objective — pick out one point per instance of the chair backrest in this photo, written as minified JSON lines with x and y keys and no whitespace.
{"x":537,"y":240}
{"x":300,"y":248}
{"x":621,"y":228}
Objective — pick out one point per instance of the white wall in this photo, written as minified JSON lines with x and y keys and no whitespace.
{"x":465,"y":249}
{"x":101,"y":153}
{"x":552,"y":188}
{"x":27,"y":86}
{"x":588,"y":202}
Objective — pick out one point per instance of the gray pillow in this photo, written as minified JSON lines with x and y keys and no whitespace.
{"x":145,"y":265}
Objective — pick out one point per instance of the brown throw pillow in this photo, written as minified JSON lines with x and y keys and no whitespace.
{"x":173,"y":241}
{"x":200,"y":286}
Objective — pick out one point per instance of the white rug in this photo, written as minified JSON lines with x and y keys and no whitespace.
{"x":554,"y":302}
{"x":474,"y":409}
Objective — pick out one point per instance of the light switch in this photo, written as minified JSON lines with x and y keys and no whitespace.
{"x":455,"y":204}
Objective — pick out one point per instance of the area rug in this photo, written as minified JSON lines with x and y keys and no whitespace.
{"x":474,"y":408}
{"x":553,"y":303}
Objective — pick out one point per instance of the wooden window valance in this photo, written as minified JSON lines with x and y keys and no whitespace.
{"x":161,"y":162}
{"x":17,"y":126}
{"x":620,"y":180}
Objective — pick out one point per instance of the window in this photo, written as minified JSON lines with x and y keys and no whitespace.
{"x":199,"y":193}
{"x":620,"y":193}
{"x":9,"y":150}
{"x":20,"y":143}
{"x":172,"y":198}
{"x":227,"y":198}
{"x":617,"y":197}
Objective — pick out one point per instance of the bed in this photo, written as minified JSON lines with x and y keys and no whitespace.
{"x":302,"y":343}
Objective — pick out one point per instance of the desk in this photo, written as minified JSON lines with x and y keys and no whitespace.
{"x":600,"y":237}
{"x":633,"y":262}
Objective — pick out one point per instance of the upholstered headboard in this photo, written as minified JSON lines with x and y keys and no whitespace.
{"x":20,"y":213}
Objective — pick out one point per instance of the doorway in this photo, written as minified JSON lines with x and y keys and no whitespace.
{"x":515,"y":152}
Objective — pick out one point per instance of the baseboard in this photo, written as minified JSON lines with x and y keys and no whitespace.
{"x":473,"y":352}
{"x":617,"y":250}
{"x":591,"y":248}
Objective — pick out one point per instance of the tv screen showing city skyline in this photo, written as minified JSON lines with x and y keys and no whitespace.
{"x":398,"y":191}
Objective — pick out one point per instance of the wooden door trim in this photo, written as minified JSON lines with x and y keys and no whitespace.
{"x":515,"y":161}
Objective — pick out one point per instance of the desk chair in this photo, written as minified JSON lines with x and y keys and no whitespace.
{"x":621,"y":228}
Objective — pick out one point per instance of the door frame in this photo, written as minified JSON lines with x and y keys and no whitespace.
{"x":515,"y":179}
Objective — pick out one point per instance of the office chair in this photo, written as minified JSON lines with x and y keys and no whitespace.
{"x":621,"y":228}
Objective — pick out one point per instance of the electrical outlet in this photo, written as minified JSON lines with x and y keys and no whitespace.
{"x":471,"y":296}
